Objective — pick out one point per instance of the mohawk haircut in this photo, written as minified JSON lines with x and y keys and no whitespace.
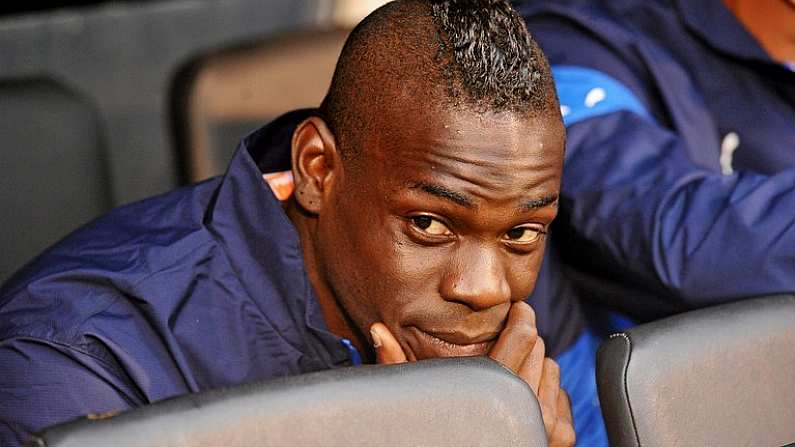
{"x":410,"y":55}
{"x":494,"y":60}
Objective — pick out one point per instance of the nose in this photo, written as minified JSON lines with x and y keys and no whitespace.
{"x":477,"y":278}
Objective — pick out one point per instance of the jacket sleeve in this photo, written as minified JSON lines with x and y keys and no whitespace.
{"x":44,"y":383}
{"x":634,"y":205}
{"x":636,"y":210}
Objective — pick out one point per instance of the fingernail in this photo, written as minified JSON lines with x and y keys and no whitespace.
{"x":376,"y":339}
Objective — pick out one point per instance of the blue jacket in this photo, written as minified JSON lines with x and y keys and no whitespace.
{"x":200,"y":288}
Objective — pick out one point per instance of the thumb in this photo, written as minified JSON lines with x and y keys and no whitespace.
{"x":387,"y":349}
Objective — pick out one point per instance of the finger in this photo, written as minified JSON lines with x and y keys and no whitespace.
{"x":387,"y":349}
{"x":548,"y":392}
{"x":564,"y":407}
{"x":564,"y":434}
{"x":517,"y":339}
{"x":533,"y":365}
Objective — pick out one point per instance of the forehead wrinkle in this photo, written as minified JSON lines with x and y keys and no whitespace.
{"x":483,"y":159}
{"x":504,"y":181}
{"x":479,"y":172}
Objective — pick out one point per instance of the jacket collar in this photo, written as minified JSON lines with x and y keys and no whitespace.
{"x":715,"y":24}
{"x":264,"y":247}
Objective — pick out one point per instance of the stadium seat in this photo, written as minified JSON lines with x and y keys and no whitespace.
{"x":444,"y":402}
{"x":101,"y":81}
{"x":54,"y":173}
{"x":717,"y":376}
{"x":227,"y":94}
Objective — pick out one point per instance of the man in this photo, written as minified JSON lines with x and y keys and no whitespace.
{"x":423,"y":188}
{"x":679,"y":186}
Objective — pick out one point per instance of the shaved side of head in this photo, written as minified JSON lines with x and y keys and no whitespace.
{"x":411,"y":56}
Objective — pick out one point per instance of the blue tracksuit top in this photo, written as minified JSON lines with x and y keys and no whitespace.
{"x":200,"y":288}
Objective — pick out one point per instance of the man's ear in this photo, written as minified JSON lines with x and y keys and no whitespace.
{"x":316,"y":163}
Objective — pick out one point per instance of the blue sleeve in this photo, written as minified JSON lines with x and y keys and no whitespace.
{"x":637,"y":209}
{"x":44,"y":384}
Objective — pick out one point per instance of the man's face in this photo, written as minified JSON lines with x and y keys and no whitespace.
{"x":440,"y":226}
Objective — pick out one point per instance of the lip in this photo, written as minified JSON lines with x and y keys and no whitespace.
{"x":460,"y":338}
{"x":433,"y":346}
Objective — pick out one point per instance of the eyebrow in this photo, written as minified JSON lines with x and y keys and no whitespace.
{"x":539,"y":203}
{"x":460,"y":199}
{"x":444,"y":193}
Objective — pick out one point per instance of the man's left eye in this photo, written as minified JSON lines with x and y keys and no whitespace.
{"x":525,"y":234}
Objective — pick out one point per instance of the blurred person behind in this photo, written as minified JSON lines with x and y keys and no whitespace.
{"x":679,"y":179}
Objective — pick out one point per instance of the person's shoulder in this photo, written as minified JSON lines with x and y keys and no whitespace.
{"x":607,"y":43}
{"x":102,"y":262}
{"x":617,"y":21}
{"x":621,"y":12}
{"x":116,"y":243}
{"x":53,"y":314}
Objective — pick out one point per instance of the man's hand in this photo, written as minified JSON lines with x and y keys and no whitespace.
{"x":387,"y":349}
{"x":520,"y":349}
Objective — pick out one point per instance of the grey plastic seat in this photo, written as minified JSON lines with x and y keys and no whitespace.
{"x":444,"y":402}
{"x":717,"y":376}
{"x":89,"y":99}
{"x":53,"y":173}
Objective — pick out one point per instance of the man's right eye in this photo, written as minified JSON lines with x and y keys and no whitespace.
{"x":430,"y":226}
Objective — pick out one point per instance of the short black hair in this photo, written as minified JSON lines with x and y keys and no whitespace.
{"x":474,"y":54}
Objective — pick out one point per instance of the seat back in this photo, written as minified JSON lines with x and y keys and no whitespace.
{"x":227,"y":94}
{"x":53,"y":173}
{"x":717,"y":376}
{"x":86,"y":100}
{"x":444,"y":402}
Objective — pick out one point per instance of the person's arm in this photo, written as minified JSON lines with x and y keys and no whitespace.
{"x":43,"y":383}
{"x":637,"y":210}
{"x":640,"y":211}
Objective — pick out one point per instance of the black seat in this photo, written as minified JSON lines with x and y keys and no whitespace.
{"x":86,"y":94}
{"x":444,"y":402}
{"x":718,"y":376}
{"x":54,"y":173}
